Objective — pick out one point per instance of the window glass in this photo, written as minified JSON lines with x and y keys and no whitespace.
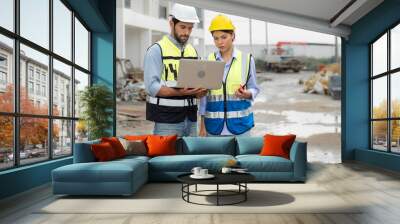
{"x":379,"y":135}
{"x":62,"y":29}
{"x":7,"y":14}
{"x":62,"y":141}
{"x":6,"y":74}
{"x":81,"y":82}
{"x":81,"y":45}
{"x":379,"y":56}
{"x":379,"y":97}
{"x":62,"y":89}
{"x":395,"y":95}
{"x":395,"y":47}
{"x":31,"y":58}
{"x":34,"y":145}
{"x":34,"y":21}
{"x":6,"y":142}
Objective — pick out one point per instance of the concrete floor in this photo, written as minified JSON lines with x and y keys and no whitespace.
{"x":377,"y":190}
{"x":282,"y":107}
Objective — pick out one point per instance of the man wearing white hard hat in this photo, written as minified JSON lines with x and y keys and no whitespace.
{"x":173,"y":110}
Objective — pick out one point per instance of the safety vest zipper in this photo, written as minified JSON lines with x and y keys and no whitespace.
{"x":225,"y":103}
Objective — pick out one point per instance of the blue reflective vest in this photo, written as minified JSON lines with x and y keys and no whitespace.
{"x":222,"y":104}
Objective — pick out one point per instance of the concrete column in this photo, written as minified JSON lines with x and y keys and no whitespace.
{"x":146,"y":41}
{"x":120,"y":51}
{"x":201,"y":49}
{"x":132,"y":45}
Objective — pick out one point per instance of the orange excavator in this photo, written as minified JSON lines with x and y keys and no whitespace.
{"x":280,"y":49}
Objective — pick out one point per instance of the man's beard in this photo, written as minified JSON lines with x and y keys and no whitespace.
{"x":181,"y":39}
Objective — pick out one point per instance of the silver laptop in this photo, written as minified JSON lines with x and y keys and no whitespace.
{"x":200,"y":74}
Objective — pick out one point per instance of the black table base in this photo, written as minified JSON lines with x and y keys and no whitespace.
{"x":241,"y":191}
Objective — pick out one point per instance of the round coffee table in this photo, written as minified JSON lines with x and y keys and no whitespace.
{"x":238,"y":179}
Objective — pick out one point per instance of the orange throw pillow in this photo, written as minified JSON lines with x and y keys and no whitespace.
{"x":103,"y":151}
{"x":136,"y":137}
{"x":275,"y":145}
{"x":161,"y":145}
{"x":116,"y":145}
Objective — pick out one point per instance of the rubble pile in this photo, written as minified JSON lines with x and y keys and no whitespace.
{"x":130,"y":89}
{"x":319,"y":82}
{"x":130,"y":86}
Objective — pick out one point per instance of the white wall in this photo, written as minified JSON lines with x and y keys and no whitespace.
{"x":139,"y":27}
{"x":138,"y":6}
{"x":132,"y":44}
{"x":137,"y":42}
{"x":120,"y":43}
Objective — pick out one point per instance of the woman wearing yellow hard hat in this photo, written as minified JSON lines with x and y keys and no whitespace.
{"x":227,"y":111}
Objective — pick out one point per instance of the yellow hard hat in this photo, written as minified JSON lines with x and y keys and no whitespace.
{"x":221,"y":22}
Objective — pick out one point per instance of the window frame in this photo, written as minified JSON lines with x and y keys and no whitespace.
{"x":3,"y":70}
{"x":16,"y":114}
{"x":388,"y":74}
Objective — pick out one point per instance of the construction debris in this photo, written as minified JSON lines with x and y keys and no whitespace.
{"x":130,"y":86}
{"x":326,"y":81}
{"x":130,"y":90}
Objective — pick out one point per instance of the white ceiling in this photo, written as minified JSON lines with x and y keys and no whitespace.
{"x":315,"y":15}
{"x":320,"y":9}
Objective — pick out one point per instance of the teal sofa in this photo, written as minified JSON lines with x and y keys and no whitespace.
{"x":125,"y":176}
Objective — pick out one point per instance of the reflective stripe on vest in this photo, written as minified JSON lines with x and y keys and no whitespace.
{"x":223,"y":105}
{"x":216,"y":98}
{"x":230,"y":114}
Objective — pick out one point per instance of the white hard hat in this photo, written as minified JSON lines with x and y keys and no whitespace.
{"x":184,"y":13}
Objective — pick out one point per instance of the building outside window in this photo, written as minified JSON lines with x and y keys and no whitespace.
{"x":30,"y":87}
{"x":3,"y":61}
{"x":37,"y":74}
{"x":162,"y":12}
{"x":30,"y":72}
{"x":37,"y":89}
{"x":43,"y":78}
{"x":128,"y":4}
{"x":3,"y":71}
{"x":43,"y":90}
{"x":3,"y":78}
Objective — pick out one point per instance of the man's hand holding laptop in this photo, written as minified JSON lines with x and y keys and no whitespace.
{"x":199,"y":92}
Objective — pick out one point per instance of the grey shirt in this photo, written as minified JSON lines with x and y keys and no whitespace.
{"x":153,"y":67}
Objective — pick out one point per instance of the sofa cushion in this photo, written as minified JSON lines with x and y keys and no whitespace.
{"x":83,"y":152}
{"x":209,"y":145}
{"x":133,"y":157}
{"x":249,"y":145}
{"x":185,"y":163}
{"x":112,"y":171}
{"x":257,"y":163}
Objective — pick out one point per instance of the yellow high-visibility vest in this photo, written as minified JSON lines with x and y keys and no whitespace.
{"x":177,"y":108}
{"x":171,"y":55}
{"x":237,"y":75}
